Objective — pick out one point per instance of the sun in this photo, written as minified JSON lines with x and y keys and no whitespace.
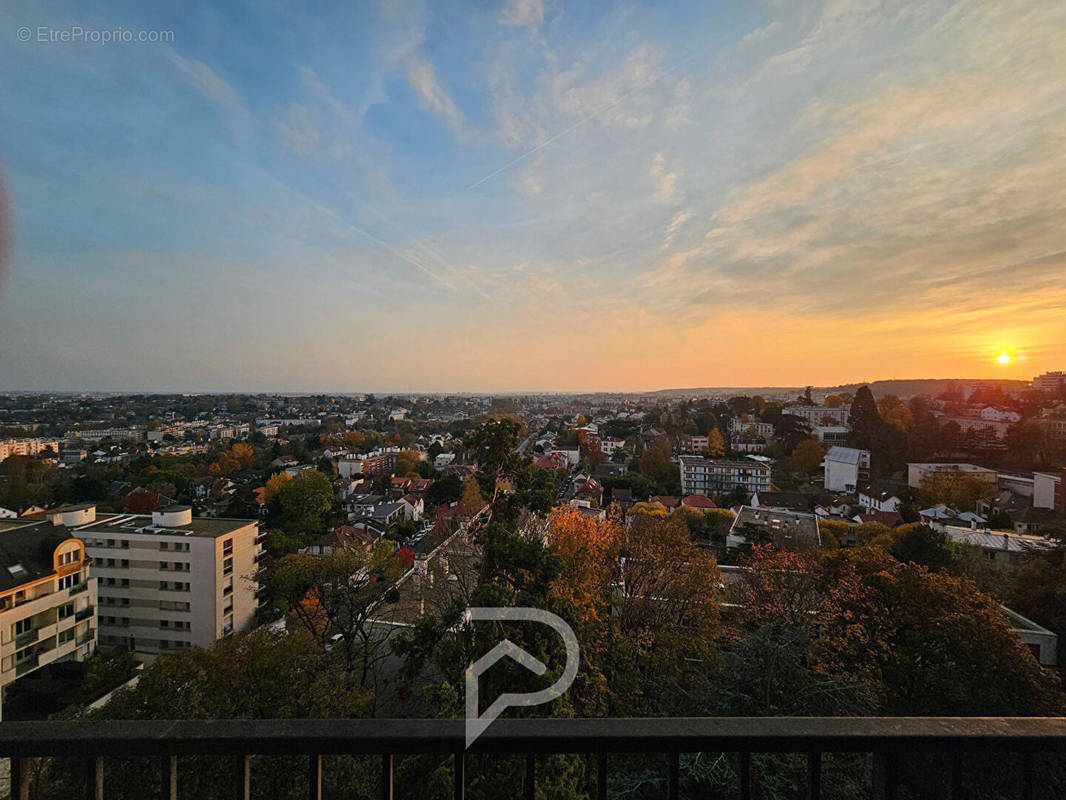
{"x":1004,"y":358}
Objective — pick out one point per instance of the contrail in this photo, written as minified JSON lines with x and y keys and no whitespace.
{"x":582,"y":121}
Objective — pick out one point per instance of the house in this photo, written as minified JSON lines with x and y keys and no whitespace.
{"x":609,"y":469}
{"x":820,"y":415}
{"x":992,"y":414}
{"x":442,"y":460}
{"x":622,"y":496}
{"x":700,"y":502}
{"x":1004,"y":550}
{"x":414,"y":506}
{"x":1044,"y":521}
{"x":786,"y":530}
{"x":830,"y":435}
{"x":781,"y":501}
{"x":845,"y":467}
{"x":589,"y":489}
{"x":609,"y":445}
{"x":343,"y":537}
{"x":552,"y":461}
{"x":872,"y":497}
{"x":739,"y":426}
{"x":572,"y":454}
{"x":694,"y":445}
{"x":888,"y":518}
{"x":669,"y":502}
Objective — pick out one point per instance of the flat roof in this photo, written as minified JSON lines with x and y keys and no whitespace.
{"x":126,"y":524}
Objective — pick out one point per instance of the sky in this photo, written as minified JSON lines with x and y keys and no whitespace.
{"x":515,"y":195}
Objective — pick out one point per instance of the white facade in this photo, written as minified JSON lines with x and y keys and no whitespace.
{"x":1044,"y":484}
{"x":819,"y":415}
{"x":168,"y":581}
{"x":27,"y":447}
{"x":843,"y":468}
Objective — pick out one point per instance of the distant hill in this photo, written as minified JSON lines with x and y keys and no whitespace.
{"x":902,"y":387}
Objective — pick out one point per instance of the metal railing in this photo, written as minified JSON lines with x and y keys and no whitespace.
{"x":84,"y":614}
{"x":26,"y":637}
{"x":888,"y":739}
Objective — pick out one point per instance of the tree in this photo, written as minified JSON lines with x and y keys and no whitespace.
{"x":864,"y":419}
{"x":407,"y":463}
{"x":808,"y":456}
{"x":471,"y":501}
{"x":715,"y":444}
{"x":304,"y":502}
{"x":920,"y":544}
{"x":655,"y":464}
{"x":333,"y":597}
{"x":445,"y":490}
{"x":954,"y":489}
{"x":274,"y":485}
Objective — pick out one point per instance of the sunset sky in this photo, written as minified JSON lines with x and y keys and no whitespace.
{"x":527,"y":195}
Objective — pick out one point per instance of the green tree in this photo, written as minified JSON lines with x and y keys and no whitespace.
{"x":807,"y":457}
{"x":304,"y":501}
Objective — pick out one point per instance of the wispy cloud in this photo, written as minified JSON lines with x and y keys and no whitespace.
{"x":432,"y":96}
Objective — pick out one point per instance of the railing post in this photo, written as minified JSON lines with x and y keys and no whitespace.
{"x":601,"y":775}
{"x":885,"y":777}
{"x":955,"y":789}
{"x":94,"y":778}
{"x":20,"y":778}
{"x":168,"y":767}
{"x":744,"y":768}
{"x":814,"y":776}
{"x":244,"y":777}
{"x":386,"y":776}
{"x":673,"y":777}
{"x":1027,"y":775}
{"x":460,"y":775}
{"x":531,"y":776}
{"x":314,"y":775}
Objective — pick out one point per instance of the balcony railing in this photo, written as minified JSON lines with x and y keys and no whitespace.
{"x":25,"y":638}
{"x":888,"y":739}
{"x":27,"y":664}
{"x":78,"y":588}
{"x":84,"y":614}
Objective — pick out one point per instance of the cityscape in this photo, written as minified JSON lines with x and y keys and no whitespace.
{"x":536,"y":399}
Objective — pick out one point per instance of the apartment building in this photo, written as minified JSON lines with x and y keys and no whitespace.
{"x":751,"y":427}
{"x":918,"y":473}
{"x":378,"y":462}
{"x":47,"y":597}
{"x":714,"y":475}
{"x":820,"y":415}
{"x":169,"y":581}
{"x":1049,"y":382}
{"x":27,"y":447}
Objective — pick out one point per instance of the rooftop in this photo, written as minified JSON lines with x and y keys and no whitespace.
{"x":206,"y":527}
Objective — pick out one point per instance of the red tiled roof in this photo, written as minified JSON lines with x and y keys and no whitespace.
{"x":665,"y":499}
{"x":698,"y":501}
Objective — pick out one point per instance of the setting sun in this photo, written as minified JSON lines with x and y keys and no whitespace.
{"x":1004,"y":358}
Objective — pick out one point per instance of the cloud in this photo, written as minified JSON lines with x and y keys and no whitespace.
{"x":432,"y":96}
{"x":675,"y":226}
{"x":213,"y":87}
{"x":299,"y":131}
{"x":527,"y":13}
{"x":665,"y":183}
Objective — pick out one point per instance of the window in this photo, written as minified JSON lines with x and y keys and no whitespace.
{"x":125,"y":562}
{"x":227,"y":547}
{"x":23,"y":625}
{"x":164,"y":565}
{"x":227,"y":566}
{"x":66,"y":610}
{"x":126,"y":544}
{"x":164,"y":546}
{"x":66,"y":636}
{"x":164,"y":585}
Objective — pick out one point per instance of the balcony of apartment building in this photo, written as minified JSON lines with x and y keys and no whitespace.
{"x":878,"y":753}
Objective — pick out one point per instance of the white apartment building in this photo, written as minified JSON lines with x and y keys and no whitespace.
{"x":820,"y":415}
{"x":751,"y":427}
{"x":47,"y":598}
{"x":830,"y":435}
{"x":844,"y":468}
{"x":167,"y":581}
{"x":1049,"y":382}
{"x":27,"y":447}
{"x":714,"y":475}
